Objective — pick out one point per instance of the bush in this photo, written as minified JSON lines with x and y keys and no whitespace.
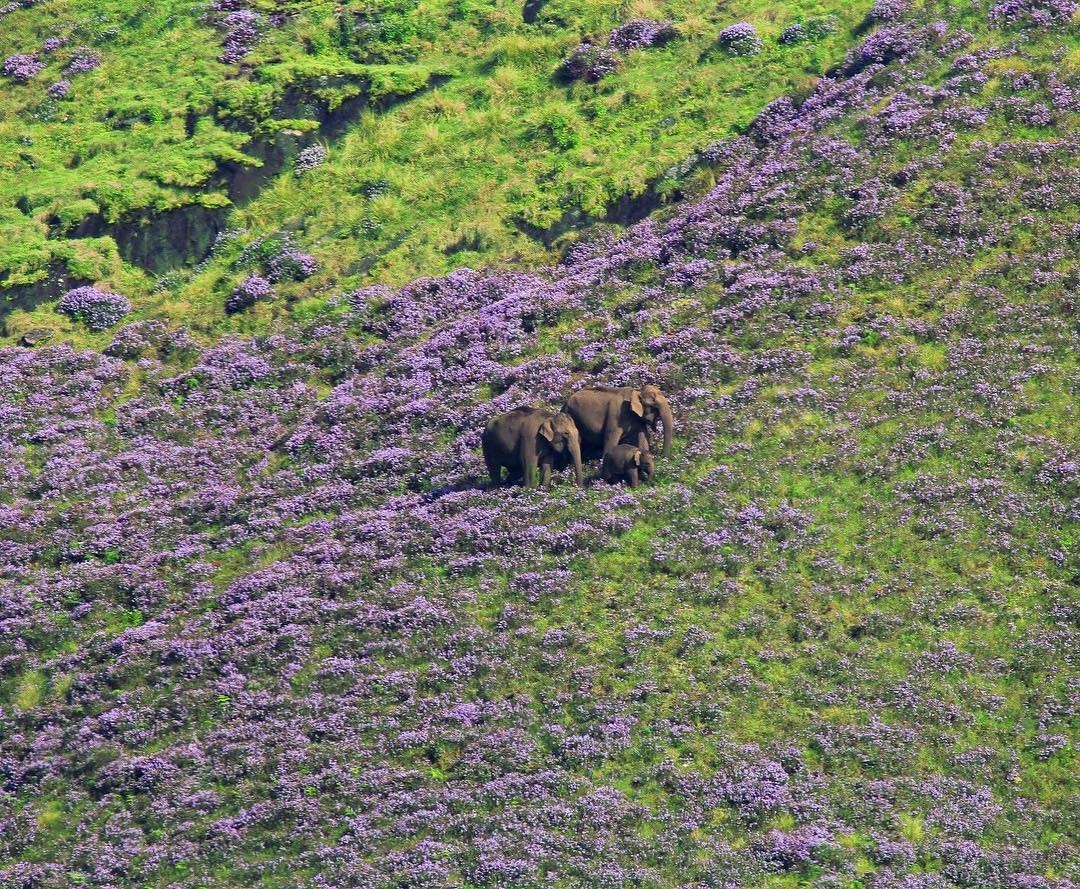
{"x":22,"y":67}
{"x":311,"y":158}
{"x":808,"y":31}
{"x":292,"y":265}
{"x":640,"y":34}
{"x":252,"y":289}
{"x":888,"y":10}
{"x":1041,"y":13}
{"x":741,"y":40}
{"x":589,"y":62}
{"x":84,"y":60}
{"x":97,"y":309}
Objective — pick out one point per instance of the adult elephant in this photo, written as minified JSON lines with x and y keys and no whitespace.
{"x":607,"y":417}
{"x":528,"y":439}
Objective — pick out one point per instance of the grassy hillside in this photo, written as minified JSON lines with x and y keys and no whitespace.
{"x":262,"y":622}
{"x":492,"y":161}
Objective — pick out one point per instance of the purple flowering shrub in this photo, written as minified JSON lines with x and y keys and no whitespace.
{"x":59,"y":89}
{"x":589,"y":62}
{"x":1040,"y":13}
{"x":291,"y":265}
{"x":241,"y":25}
{"x":888,"y":10}
{"x":740,"y":39}
{"x":83,"y":60}
{"x":278,"y":259}
{"x":640,"y":34}
{"x":310,"y":158}
{"x":22,"y":68}
{"x":95,"y":308}
{"x":809,"y":30}
{"x":249,"y":291}
{"x":261,"y":620}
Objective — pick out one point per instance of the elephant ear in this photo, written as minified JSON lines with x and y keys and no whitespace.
{"x":635,"y":404}
{"x":547,"y":430}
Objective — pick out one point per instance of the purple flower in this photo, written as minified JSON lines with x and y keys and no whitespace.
{"x":248,"y":292}
{"x":291,"y":265}
{"x":97,"y":309}
{"x":22,"y":67}
{"x":59,"y":89}
{"x":589,"y":62}
{"x":241,"y":26}
{"x":1040,"y":13}
{"x":884,"y":46}
{"x":311,"y":158}
{"x":85,"y":59}
{"x":243,"y":33}
{"x":888,"y":10}
{"x":640,"y":34}
{"x":809,"y":30}
{"x":786,"y":850}
{"x":740,"y":39}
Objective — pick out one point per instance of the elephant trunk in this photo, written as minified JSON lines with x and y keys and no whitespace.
{"x":575,"y":454}
{"x":668,"y":419}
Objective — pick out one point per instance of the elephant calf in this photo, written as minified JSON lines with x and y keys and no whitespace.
{"x":527,"y":439}
{"x":629,"y":464}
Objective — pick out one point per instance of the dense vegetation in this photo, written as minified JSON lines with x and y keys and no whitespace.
{"x":262,"y":622}
{"x":493,"y":159}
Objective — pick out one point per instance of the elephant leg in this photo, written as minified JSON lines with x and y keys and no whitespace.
{"x":494,"y":468}
{"x":643,"y":440}
{"x":632,"y":477}
{"x":529,"y":460}
{"x":545,"y":473}
{"x":612,"y":437}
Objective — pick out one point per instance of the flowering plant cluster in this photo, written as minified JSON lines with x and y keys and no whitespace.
{"x":10,"y":7}
{"x":97,"y":309}
{"x":83,"y":60}
{"x":740,"y":39}
{"x":808,"y":31}
{"x":291,"y":264}
{"x":261,"y":620}
{"x":589,"y":62}
{"x":310,"y":158}
{"x":241,"y":24}
{"x":1039,"y":13}
{"x":640,"y":34}
{"x":22,"y":67}
{"x":888,"y":10}
{"x":278,"y":259}
{"x":249,"y":291}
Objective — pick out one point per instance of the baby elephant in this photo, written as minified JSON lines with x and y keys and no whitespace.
{"x":627,"y":463}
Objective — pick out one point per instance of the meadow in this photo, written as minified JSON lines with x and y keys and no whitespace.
{"x":264,"y":623}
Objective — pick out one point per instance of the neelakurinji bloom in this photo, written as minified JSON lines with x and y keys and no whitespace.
{"x":254,"y":596}
{"x":97,"y":309}
{"x":740,"y":39}
{"x":22,"y":67}
{"x":589,"y":62}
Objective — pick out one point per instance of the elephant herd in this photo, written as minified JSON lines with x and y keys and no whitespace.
{"x":610,"y":424}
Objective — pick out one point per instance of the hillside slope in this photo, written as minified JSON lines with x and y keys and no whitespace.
{"x":443,"y":136}
{"x":262,"y":623}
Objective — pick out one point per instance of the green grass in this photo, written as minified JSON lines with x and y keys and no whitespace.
{"x":457,"y":176}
